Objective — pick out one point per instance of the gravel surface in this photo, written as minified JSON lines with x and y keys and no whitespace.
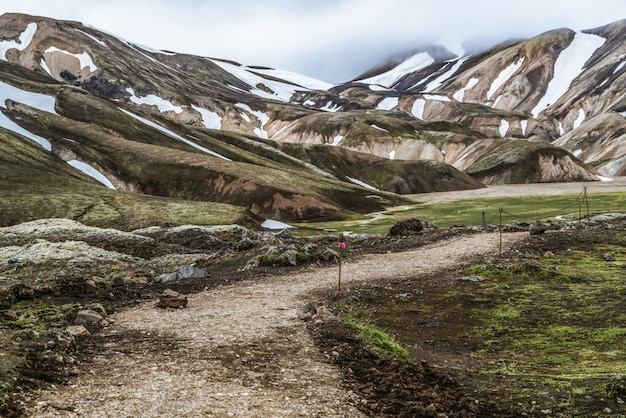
{"x":236,"y":350}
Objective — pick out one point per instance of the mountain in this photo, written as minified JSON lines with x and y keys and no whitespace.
{"x":99,"y":129}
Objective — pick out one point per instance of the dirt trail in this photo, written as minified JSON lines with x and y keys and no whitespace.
{"x":236,"y":350}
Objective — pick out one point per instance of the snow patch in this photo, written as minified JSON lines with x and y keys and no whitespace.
{"x":567,"y":67}
{"x":101,"y":43}
{"x":504,"y":127}
{"x":330,"y":107}
{"x":577,"y":152}
{"x":360,"y":183}
{"x":601,"y":178}
{"x":561,"y":129}
{"x":173,"y":135}
{"x":389,"y":78}
{"x":154,"y":100}
{"x":336,"y":141}
{"x":272,"y":224}
{"x":22,"y":42}
{"x":377,"y":87}
{"x":388,"y":103}
{"x":210,"y":120}
{"x":580,"y":119}
{"x":84,"y":58}
{"x":437,"y":97}
{"x":442,"y":78}
{"x":524,"y":124}
{"x":504,"y":76}
{"x":459,"y":95}
{"x":619,"y":67}
{"x":45,"y":67}
{"x":623,"y":114}
{"x":379,"y":128}
{"x":91,"y":172}
{"x":261,"y":116}
{"x":392,"y":155}
{"x":38,"y":101}
{"x":418,"y":108}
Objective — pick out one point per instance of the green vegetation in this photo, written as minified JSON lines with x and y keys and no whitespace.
{"x":374,"y":336}
{"x":37,"y":315}
{"x":535,"y":327}
{"x":470,"y":212}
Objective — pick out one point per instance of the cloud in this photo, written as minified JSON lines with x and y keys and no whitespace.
{"x":334,"y":40}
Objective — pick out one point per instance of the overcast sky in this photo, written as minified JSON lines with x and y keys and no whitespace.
{"x":332,"y":40}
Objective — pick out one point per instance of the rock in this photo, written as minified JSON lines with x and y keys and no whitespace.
{"x":87,"y":317}
{"x":305,"y":312}
{"x":471,"y":278}
{"x":330,"y":255}
{"x":77,"y":330}
{"x":169,"y":277}
{"x":245,"y":244}
{"x":98,"y":308}
{"x":285,"y":235}
{"x":548,"y":254}
{"x":135,"y":281}
{"x":608,"y":256}
{"x":185,"y":272}
{"x":406,"y":227}
{"x":61,"y":406}
{"x":323,"y":314}
{"x":172,"y":299}
{"x":537,"y":228}
{"x":290,"y":256}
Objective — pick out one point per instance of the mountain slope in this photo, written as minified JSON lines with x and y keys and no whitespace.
{"x":286,"y":146}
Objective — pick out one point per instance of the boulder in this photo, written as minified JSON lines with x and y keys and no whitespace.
{"x":88,"y":317}
{"x":537,"y":228}
{"x":185,"y":272}
{"x":306,"y":311}
{"x":172,"y":299}
{"x":406,"y":227}
{"x":290,"y":257}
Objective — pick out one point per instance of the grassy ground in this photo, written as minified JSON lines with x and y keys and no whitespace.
{"x":536,"y":330}
{"x":470,"y":212}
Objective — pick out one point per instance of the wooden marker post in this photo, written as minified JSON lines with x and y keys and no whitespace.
{"x":342,"y":247}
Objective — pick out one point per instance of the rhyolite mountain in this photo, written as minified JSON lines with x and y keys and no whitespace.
{"x":92,"y":125}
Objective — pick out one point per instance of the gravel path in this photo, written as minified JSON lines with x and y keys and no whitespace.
{"x":237,"y":350}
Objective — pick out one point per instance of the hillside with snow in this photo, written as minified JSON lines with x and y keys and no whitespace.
{"x":123,"y":117}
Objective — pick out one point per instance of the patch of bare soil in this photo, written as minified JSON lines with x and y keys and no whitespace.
{"x":239,"y":349}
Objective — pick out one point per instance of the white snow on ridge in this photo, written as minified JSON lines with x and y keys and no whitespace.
{"x":21,"y":44}
{"x":580,"y":119}
{"x":282,"y":91}
{"x":210,"y":120}
{"x":567,"y":67}
{"x":91,"y":172}
{"x":619,"y":67}
{"x":388,"y":103}
{"x":437,"y":97}
{"x":360,"y":183}
{"x":442,"y":78}
{"x":173,"y":135}
{"x":93,"y":38}
{"x":389,"y":78}
{"x":524,"y":124}
{"x":459,"y":95}
{"x":261,"y":116}
{"x":504,"y":76}
{"x":330,"y":107}
{"x":154,"y":100}
{"x":296,"y":78}
{"x":418,"y":108}
{"x":84,"y":58}
{"x":39,"y":101}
